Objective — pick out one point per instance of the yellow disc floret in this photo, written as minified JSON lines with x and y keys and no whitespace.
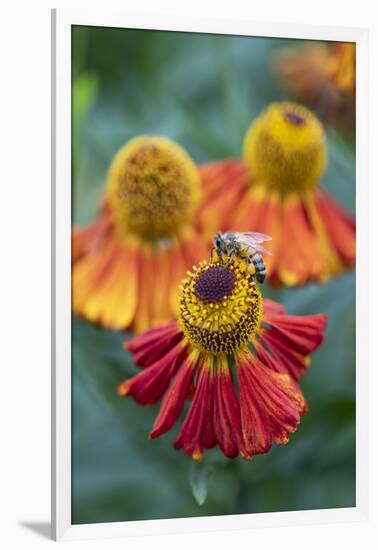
{"x":220,"y":306}
{"x":152,"y":187}
{"x":285,"y":148}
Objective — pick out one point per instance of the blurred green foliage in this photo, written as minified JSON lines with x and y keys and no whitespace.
{"x":202,"y":91}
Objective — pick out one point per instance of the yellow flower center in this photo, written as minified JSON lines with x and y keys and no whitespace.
{"x":152,"y":188}
{"x":284,"y":148}
{"x":220,"y":306}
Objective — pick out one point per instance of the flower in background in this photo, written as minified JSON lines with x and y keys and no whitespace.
{"x":128,"y":263}
{"x":275,"y":190}
{"x":323,"y":76}
{"x":226,"y":338}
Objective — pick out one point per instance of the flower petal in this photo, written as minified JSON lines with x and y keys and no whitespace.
{"x":281,"y":358}
{"x":175,"y":396}
{"x":300,"y":257}
{"x":271,"y":406}
{"x":154,"y":343}
{"x":271,"y":307}
{"x":87,"y":238}
{"x":196,"y":432}
{"x":148,"y":386}
{"x":340,"y":227}
{"x":302,"y":334}
{"x":104,"y":283}
{"x":227,"y":422}
{"x":329,"y":253}
{"x":224,"y":183}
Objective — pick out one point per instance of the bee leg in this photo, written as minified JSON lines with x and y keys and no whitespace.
{"x":253,"y":275}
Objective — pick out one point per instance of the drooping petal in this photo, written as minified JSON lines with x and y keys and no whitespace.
{"x":197,"y":432}
{"x":148,"y":386}
{"x":340,"y":226}
{"x":154,"y":343}
{"x":270,"y":224}
{"x":271,"y":307}
{"x":122,"y":298}
{"x":223,"y":185}
{"x":83,"y":239}
{"x":178,"y":268}
{"x":104,"y":284}
{"x":271,"y":406}
{"x":251,"y":210}
{"x":281,"y":358}
{"x":161,"y":269}
{"x":302,"y":334}
{"x":175,"y":396}
{"x":227,"y":422}
{"x":332,"y":260}
{"x":143,"y":313}
{"x":300,"y":257}
{"x":125,"y":282}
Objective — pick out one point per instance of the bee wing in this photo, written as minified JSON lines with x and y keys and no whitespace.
{"x":260,"y":248}
{"x":257,"y":237}
{"x":253,"y":245}
{"x":250,"y":240}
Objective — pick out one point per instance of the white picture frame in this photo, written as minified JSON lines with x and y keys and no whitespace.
{"x":62,"y":21}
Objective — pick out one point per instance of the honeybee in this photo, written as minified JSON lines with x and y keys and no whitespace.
{"x":245,"y":246}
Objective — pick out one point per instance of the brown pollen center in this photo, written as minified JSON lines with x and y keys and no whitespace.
{"x":214,"y":285}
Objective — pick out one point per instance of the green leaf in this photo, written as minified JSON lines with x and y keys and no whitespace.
{"x":199,"y":474}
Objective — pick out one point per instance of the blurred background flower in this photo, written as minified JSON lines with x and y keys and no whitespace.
{"x":201,"y":91}
{"x":323,"y":76}
{"x":275,"y":190}
{"x":128,"y":263}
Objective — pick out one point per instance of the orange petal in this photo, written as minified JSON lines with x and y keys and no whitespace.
{"x":327,"y":249}
{"x":302,"y":257}
{"x":143,"y":314}
{"x":340,"y":226}
{"x":224,"y":186}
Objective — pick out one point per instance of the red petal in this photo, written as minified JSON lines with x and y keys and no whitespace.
{"x":227,"y":422}
{"x":197,"y":433}
{"x":271,"y":405}
{"x":280,"y":358}
{"x":271,"y":307}
{"x":302,"y":334}
{"x":148,"y":386}
{"x":154,"y":343}
{"x":175,"y":396}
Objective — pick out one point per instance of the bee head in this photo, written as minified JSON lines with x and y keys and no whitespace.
{"x":218,"y":242}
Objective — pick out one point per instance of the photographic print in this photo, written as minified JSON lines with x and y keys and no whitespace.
{"x":213,"y":274}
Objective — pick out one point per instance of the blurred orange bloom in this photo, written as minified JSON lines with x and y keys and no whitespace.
{"x":127,"y":263}
{"x":275,"y":190}
{"x":323,"y":76}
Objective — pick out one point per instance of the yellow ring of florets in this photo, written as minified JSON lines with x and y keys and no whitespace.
{"x":227,"y":323}
{"x":152,"y":187}
{"x":284,"y":148}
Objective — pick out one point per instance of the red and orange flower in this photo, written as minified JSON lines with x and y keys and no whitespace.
{"x":275,"y":190}
{"x":238,"y":360}
{"x":323,"y":76}
{"x":128,"y":263}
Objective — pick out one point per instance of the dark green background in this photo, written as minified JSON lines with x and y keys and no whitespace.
{"x":203,"y":91}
